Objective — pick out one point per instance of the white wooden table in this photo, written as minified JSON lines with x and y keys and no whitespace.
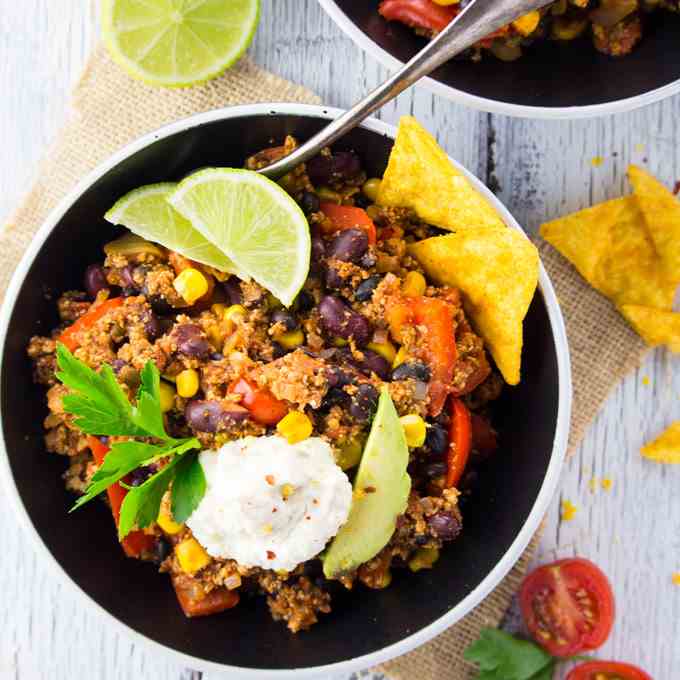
{"x":544,"y":169}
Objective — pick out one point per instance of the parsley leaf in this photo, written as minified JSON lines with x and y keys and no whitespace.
{"x":500,"y":656}
{"x":188,"y":487}
{"x":101,"y":407}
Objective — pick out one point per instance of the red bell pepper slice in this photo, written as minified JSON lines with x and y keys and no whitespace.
{"x":419,"y":13}
{"x":263,"y":406}
{"x":195,"y":602}
{"x":348,"y":217}
{"x":460,"y":442}
{"x":136,"y":542}
{"x":70,"y":337}
{"x":437,"y":346}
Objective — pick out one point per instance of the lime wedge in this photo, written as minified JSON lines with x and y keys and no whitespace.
{"x":176,"y":43}
{"x":254,"y":221}
{"x":146,"y":212}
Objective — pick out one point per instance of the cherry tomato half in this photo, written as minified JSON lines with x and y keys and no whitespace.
{"x":263,"y":406}
{"x":568,"y":606}
{"x":419,"y":13}
{"x":607,"y":670}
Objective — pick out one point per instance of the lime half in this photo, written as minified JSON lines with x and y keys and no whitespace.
{"x":176,"y":43}
{"x":254,"y":221}
{"x":146,"y":212}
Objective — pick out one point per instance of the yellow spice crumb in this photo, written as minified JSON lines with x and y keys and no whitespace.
{"x":607,"y":484}
{"x":676,"y":578}
{"x":645,"y":380}
{"x":593,"y":484}
{"x":568,"y":511}
{"x":597,"y":161}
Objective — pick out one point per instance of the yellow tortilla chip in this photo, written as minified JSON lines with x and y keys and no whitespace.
{"x":497,"y":271}
{"x":654,"y":326}
{"x":420,"y":175}
{"x":661,"y":210}
{"x":610,"y":247}
{"x":666,"y":447}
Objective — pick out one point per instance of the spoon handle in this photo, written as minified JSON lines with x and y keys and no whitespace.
{"x":479,"y":19}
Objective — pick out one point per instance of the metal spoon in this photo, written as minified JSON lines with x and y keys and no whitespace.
{"x":479,"y":19}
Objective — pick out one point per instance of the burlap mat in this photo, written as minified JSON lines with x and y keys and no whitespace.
{"x":110,"y":110}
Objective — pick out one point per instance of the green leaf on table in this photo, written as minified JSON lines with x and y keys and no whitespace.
{"x":501,"y":656}
{"x":188,"y":487}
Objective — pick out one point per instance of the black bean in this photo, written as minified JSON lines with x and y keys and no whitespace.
{"x":411,"y":369}
{"x":304,"y":301}
{"x":444,"y":525}
{"x":336,"y":396}
{"x":152,"y":327}
{"x":141,"y":474}
{"x":232,"y":289}
{"x":216,"y":356}
{"x":360,"y":200}
{"x":159,"y":304}
{"x":437,"y":440}
{"x":95,"y":280}
{"x":371,"y":363}
{"x":349,"y":245}
{"x":433,"y":470}
{"x":332,"y":278}
{"x":339,"y":320}
{"x":318,"y":249}
{"x":309,"y":202}
{"x":364,"y":402}
{"x":364,"y":291}
{"x":285,"y":318}
{"x":341,"y":165}
{"x":191,"y":341}
{"x":208,"y":416}
{"x":161,"y":550}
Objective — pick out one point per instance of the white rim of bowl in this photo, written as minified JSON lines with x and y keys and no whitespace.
{"x":491,"y":580}
{"x":491,"y":105}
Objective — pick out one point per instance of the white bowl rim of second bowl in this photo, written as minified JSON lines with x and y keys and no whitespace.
{"x":490,"y":581}
{"x":492,"y":105}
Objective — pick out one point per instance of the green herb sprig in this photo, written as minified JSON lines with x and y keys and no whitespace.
{"x":102,"y":408}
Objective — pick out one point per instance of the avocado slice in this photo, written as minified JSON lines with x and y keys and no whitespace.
{"x":381,"y":489}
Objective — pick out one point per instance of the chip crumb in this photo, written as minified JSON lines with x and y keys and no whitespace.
{"x":646,"y":381}
{"x":666,"y":447}
{"x":569,"y":511}
{"x":597,"y":161}
{"x":676,"y":578}
{"x":607,"y":483}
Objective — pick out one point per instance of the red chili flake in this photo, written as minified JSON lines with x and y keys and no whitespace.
{"x":315,"y":501}
{"x":676,"y":188}
{"x":271,"y":555}
{"x":308,"y":517}
{"x":275,"y":509}
{"x":269,"y":479}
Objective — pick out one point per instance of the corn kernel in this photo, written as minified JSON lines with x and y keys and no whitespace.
{"x":167,"y":397}
{"x":191,"y":555}
{"x":400,"y":358}
{"x":294,"y":426}
{"x":414,"y":430}
{"x":187,"y":383}
{"x":423,"y":558}
{"x":235,"y":313}
{"x":287,"y":490}
{"x":218,"y":309}
{"x":167,"y":523}
{"x":414,"y":284}
{"x":191,"y":285}
{"x":527,"y":23}
{"x":291,"y":339}
{"x":384,"y":349}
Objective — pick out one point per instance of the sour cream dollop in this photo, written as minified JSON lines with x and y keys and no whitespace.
{"x":269,"y":503}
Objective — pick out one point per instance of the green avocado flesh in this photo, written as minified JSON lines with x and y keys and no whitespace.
{"x":381,"y":490}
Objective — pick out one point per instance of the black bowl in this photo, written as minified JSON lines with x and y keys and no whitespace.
{"x":365,"y":627}
{"x":552,"y":80}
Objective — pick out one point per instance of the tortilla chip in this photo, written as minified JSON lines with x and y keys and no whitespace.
{"x":661,"y":210}
{"x":654,"y":326}
{"x":610,"y":247}
{"x":666,"y":447}
{"x":497,"y":271}
{"x":420,"y":175}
